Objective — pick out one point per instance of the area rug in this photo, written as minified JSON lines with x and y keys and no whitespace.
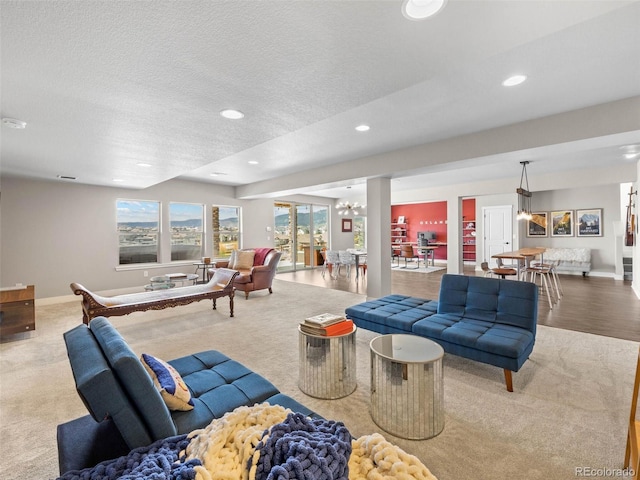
{"x":568,"y":412}
{"x":412,"y":268}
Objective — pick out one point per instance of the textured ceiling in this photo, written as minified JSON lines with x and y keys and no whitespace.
{"x":105,"y":85}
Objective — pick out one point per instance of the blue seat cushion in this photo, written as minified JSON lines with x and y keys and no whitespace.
{"x":495,"y":338}
{"x":217,"y":385}
{"x":393,"y":313}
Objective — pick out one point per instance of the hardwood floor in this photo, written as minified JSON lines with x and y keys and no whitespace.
{"x":597,"y":305}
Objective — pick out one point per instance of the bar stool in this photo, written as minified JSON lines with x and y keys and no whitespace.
{"x":545,"y":279}
{"x":503,"y":272}
{"x":554,"y":275}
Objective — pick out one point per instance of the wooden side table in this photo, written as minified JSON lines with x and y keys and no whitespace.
{"x":17,"y":310}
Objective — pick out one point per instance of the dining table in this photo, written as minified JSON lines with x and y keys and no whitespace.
{"x":523,"y":256}
{"x":357,"y":253}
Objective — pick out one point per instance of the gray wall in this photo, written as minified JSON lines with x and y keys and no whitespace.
{"x":602,"y":248}
{"x":54,"y":233}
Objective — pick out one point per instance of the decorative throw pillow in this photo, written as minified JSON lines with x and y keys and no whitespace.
{"x":169,"y":383}
{"x":232,"y":259}
{"x":244,"y":259}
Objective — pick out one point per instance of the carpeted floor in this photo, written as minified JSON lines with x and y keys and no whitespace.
{"x":569,"y":409}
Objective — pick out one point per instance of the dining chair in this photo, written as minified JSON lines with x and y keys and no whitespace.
{"x":331,"y":263}
{"x":348,"y":260}
{"x":396,"y":255}
{"x":406,"y":252}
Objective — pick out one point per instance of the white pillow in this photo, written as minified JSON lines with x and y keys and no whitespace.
{"x":244,"y":259}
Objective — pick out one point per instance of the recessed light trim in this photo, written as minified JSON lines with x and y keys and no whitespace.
{"x":14,"y":123}
{"x":232,"y":114}
{"x":363,"y":128}
{"x":253,"y":162}
{"x":118,"y":180}
{"x":421,"y":9}
{"x":66,"y":177}
{"x":514,"y":80}
{"x":143,"y":164}
{"x":217,"y":174}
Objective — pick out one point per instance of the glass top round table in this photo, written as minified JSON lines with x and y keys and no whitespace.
{"x":407,"y":348}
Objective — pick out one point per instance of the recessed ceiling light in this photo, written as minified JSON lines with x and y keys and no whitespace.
{"x":253,"y":162}
{"x":421,"y":9}
{"x":363,"y":128}
{"x":232,"y":114}
{"x":14,"y":123}
{"x":216,"y":174}
{"x":118,"y":180}
{"x":514,"y":80}
{"x":631,"y":156}
{"x":142,"y":164}
{"x":66,"y":177}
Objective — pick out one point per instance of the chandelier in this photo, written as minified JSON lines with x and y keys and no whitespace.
{"x":346,"y":208}
{"x":524,"y":195}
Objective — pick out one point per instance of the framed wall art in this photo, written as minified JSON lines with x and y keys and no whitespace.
{"x":347,"y":225}
{"x":589,"y":222}
{"x":562,"y":223}
{"x":537,"y":226}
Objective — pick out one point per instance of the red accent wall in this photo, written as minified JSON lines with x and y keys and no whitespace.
{"x":422,"y":217}
{"x":469,"y":209}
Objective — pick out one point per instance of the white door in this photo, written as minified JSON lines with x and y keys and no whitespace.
{"x":497,"y":231}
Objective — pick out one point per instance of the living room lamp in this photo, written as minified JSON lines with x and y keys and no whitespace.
{"x":524,"y":195}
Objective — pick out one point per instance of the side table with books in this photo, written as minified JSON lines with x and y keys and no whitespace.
{"x":327,"y":356}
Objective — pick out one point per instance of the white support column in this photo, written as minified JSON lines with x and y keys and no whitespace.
{"x":378,"y":237}
{"x":454,"y":235}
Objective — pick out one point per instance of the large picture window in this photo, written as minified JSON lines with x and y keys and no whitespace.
{"x":187,"y":231}
{"x":138,"y":231}
{"x":226,"y":230}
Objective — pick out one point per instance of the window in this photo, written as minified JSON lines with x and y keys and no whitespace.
{"x":359,"y":231}
{"x":226,"y":230}
{"x":138,"y":230}
{"x":186,"y":231}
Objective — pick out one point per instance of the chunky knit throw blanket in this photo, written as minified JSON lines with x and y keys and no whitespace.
{"x":263,"y":442}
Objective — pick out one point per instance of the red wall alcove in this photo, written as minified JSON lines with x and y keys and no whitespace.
{"x":431,"y":217}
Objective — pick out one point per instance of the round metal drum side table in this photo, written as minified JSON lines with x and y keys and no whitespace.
{"x":327,"y":365}
{"x":407,"y":396}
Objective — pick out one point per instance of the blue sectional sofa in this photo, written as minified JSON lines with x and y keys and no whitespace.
{"x":126,"y":409}
{"x":485,"y":319}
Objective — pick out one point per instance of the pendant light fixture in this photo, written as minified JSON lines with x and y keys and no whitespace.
{"x":524,"y":195}
{"x":346,"y":208}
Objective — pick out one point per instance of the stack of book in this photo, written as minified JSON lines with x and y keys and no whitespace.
{"x":327,"y":324}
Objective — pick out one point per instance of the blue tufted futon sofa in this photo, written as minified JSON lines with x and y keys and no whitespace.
{"x":485,"y":319}
{"x":127,"y":411}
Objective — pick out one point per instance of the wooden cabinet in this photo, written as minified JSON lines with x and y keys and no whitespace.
{"x":469,"y":240}
{"x":17,"y":310}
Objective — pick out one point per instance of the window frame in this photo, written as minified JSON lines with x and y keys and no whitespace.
{"x":158,"y":232}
